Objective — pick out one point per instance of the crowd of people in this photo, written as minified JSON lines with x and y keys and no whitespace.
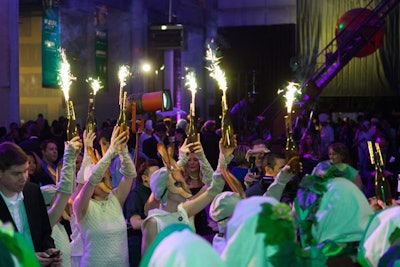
{"x":114,"y":198}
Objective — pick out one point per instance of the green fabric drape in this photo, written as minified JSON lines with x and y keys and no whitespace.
{"x":374,"y":75}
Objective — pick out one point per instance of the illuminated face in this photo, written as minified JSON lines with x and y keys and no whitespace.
{"x":193,"y":164}
{"x":12,"y":180}
{"x":334,"y":157}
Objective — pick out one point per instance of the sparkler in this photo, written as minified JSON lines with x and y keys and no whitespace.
{"x":65,"y":76}
{"x":291,"y":150}
{"x":292,"y":90}
{"x":123,"y":73}
{"x":191,"y":83}
{"x":217,"y":73}
{"x":95,"y":84}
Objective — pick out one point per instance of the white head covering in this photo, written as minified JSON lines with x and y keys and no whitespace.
{"x":375,"y":241}
{"x":158,"y":184}
{"x":261,"y":233}
{"x":245,"y":245}
{"x":343,"y":213}
{"x":222,"y":207}
{"x":183,"y":248}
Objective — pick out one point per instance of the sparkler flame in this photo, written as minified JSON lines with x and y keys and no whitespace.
{"x":95,"y":84}
{"x":123,"y":73}
{"x":65,"y":75}
{"x":191,"y":83}
{"x":216,"y":72}
{"x":292,"y":90}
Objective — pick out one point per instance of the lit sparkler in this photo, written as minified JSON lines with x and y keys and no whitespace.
{"x":191,"y":83}
{"x":292,"y":90}
{"x":123,"y":73}
{"x":217,"y":73}
{"x":95,"y":84}
{"x":65,"y":75}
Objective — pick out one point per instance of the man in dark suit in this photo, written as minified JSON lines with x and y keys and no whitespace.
{"x":22,"y":204}
{"x":150,"y":145}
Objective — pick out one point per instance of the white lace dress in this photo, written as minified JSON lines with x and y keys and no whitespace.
{"x":103,"y":231}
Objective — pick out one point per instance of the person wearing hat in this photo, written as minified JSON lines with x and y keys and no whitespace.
{"x":221,"y":209}
{"x":98,"y":208}
{"x":261,"y":232}
{"x":56,"y":199}
{"x":169,"y":186}
{"x":332,"y":213}
{"x":381,"y":233}
{"x":177,"y":245}
{"x":197,"y":172}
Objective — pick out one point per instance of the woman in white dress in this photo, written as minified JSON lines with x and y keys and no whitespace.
{"x":170,"y":187}
{"x":98,"y":209}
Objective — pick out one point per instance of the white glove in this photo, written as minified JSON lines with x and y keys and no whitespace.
{"x":67,"y":177}
{"x":80,"y":177}
{"x":101,"y":166}
{"x":127,"y":166}
{"x":217,"y":184}
{"x":275,"y":190}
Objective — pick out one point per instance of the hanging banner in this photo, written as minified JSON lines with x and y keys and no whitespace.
{"x":50,"y":43}
{"x":101,"y":45}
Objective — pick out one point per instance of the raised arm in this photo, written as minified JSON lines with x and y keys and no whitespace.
{"x":128,"y":171}
{"x":66,"y":184}
{"x":81,"y":202}
{"x":275,"y":190}
{"x":88,"y":140}
{"x":195,"y":205}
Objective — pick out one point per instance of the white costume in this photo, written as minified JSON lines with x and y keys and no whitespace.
{"x":165,"y":218}
{"x":103,"y":231}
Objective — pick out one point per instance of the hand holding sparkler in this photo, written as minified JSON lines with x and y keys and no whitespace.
{"x":123,"y":73}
